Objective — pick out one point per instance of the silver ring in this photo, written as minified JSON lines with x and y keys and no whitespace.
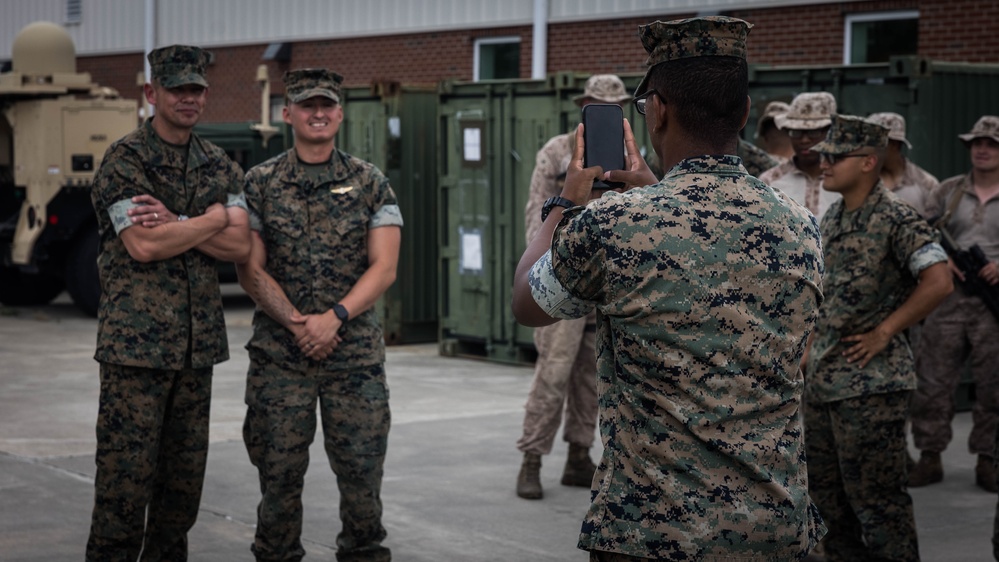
{"x":156,"y":215}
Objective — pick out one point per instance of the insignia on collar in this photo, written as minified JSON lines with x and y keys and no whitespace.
{"x":341,"y":190}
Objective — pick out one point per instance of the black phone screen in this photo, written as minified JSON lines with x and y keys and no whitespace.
{"x":603,"y":135}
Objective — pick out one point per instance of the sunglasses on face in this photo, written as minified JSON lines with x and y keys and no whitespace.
{"x":833,"y":159}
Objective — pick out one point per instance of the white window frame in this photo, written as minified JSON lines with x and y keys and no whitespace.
{"x":871,"y":16}
{"x":488,"y":41}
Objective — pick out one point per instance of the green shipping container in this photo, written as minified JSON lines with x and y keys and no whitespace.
{"x":490,"y":133}
{"x":394,"y":128}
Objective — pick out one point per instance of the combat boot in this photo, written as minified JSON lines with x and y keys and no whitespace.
{"x":529,"y":479}
{"x":578,"y":467}
{"x":928,"y":470}
{"x":985,"y":474}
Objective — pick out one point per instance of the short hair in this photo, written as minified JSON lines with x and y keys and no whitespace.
{"x":709,"y":94}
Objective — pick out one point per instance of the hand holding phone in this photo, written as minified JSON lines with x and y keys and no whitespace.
{"x":603,"y":136}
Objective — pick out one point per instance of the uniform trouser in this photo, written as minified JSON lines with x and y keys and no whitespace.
{"x":857,"y":477}
{"x":564,"y":377}
{"x":279,"y":427}
{"x":960,"y":330}
{"x":152,"y":446}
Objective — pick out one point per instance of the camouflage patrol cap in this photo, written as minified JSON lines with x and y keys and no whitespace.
{"x":772,"y":110}
{"x":987,"y":127}
{"x":808,"y":111}
{"x":895,"y":124}
{"x":849,"y":133}
{"x":178,"y":65}
{"x":306,"y":83}
{"x":604,"y":88}
{"x":710,"y":36}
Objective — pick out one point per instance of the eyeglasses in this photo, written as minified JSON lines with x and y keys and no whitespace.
{"x":640,"y":102}
{"x":810,"y":133}
{"x":833,"y":159}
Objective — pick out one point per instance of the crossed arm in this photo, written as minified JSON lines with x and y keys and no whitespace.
{"x":221,"y":232}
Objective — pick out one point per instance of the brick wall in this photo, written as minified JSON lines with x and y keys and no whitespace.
{"x":952,"y":30}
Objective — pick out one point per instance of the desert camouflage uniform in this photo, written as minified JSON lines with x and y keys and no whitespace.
{"x":565,"y":371}
{"x":160,"y":330}
{"x":316,"y":234}
{"x":804,"y":189}
{"x":961,"y":330}
{"x":707,"y":284}
{"x":855,"y":417}
{"x":915,"y":187}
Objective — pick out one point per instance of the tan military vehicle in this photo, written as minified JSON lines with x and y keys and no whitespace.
{"x":55,"y":126}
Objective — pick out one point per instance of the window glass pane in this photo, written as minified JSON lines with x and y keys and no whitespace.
{"x":499,"y":60}
{"x":877,"y":41}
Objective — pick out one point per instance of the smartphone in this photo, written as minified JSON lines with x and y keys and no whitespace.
{"x":603,"y":134}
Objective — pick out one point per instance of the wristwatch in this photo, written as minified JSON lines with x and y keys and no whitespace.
{"x":556,"y":201}
{"x":341,"y":313}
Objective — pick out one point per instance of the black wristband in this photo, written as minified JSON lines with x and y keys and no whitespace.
{"x":556,"y":201}
{"x":341,"y":313}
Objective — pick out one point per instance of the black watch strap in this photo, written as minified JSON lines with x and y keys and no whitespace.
{"x":556,"y":201}
{"x":341,"y":313}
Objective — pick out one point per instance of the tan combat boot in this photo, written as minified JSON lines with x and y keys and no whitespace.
{"x":529,"y":479}
{"x":578,"y":467}
{"x":928,"y":470}
{"x":985,"y":473}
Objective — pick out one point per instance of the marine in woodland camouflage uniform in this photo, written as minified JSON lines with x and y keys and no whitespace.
{"x":325,"y":235}
{"x":160,"y":324}
{"x":884,"y":272}
{"x":964,"y":333}
{"x":706,"y":286}
{"x":565,"y":370}
{"x":806,"y":122}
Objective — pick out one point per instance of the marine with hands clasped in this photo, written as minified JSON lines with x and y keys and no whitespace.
{"x":326,"y":230}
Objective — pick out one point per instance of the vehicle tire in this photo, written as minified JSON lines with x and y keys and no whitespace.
{"x":82,"y":280}
{"x":19,"y":289}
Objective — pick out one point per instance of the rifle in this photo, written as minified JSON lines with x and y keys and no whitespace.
{"x":970,"y":262}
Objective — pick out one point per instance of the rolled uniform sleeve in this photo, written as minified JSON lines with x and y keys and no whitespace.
{"x":567,"y":282}
{"x":930,"y":254}
{"x":388,"y":215}
{"x":237,"y":200}
{"x":383,"y":205}
{"x":118,"y":212}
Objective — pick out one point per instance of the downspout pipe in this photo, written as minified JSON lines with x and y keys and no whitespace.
{"x":539,"y":41}
{"x":149,"y":45}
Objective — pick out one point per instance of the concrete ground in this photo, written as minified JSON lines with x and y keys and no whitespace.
{"x":449,"y":476}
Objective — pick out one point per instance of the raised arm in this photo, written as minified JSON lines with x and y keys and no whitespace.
{"x":578,"y":188}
